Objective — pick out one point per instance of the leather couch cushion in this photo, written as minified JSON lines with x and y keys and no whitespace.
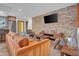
{"x":20,"y":40}
{"x":23,"y":42}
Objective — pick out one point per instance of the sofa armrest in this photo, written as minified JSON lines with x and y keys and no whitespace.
{"x":37,"y":49}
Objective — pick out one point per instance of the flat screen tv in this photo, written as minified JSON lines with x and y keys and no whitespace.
{"x":53,"y":18}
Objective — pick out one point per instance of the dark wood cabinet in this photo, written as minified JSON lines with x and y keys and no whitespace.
{"x":3,"y":33}
{"x":77,"y":21}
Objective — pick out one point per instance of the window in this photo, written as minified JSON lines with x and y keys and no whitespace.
{"x":2,"y":22}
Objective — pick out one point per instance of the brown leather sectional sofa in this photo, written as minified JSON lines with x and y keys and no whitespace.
{"x":32,"y":48}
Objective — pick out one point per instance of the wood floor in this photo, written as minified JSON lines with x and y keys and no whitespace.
{"x":3,"y":50}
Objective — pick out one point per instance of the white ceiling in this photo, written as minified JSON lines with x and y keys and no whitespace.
{"x":34,"y":9}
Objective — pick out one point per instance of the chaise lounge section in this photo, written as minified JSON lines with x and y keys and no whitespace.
{"x":32,"y":48}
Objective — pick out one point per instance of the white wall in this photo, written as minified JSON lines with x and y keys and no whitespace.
{"x":4,"y":10}
{"x":3,"y":13}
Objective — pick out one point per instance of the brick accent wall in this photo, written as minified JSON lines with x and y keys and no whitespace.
{"x":66,"y":21}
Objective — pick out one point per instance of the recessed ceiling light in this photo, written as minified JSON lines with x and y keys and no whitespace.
{"x":19,"y":10}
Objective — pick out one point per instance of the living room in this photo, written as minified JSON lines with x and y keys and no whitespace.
{"x":42,"y":29}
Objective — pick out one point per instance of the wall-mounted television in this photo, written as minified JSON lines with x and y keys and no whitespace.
{"x":53,"y":18}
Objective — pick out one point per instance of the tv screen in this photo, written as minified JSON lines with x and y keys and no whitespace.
{"x":51,"y":18}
